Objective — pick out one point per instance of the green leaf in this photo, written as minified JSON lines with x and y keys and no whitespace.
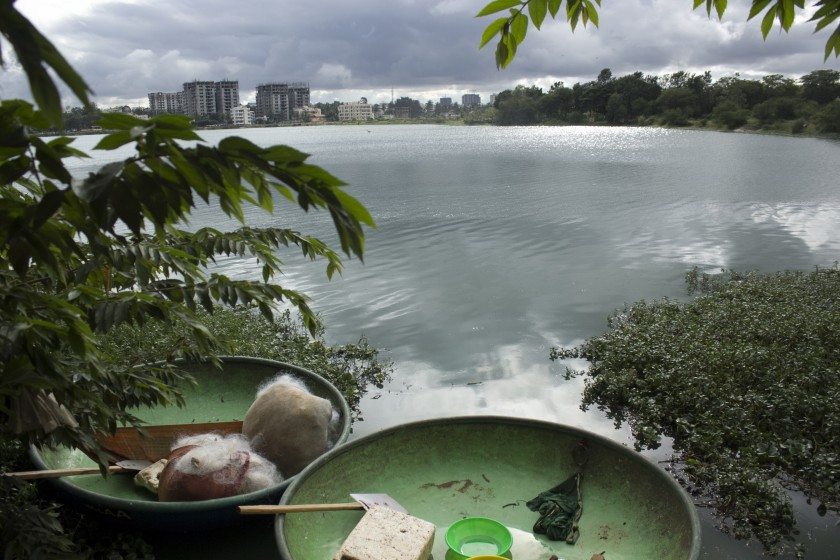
{"x":14,"y":169}
{"x":573,"y":12}
{"x":537,"y":10}
{"x":786,"y":14}
{"x":827,"y":20}
{"x":49,"y":163}
{"x":720,"y":7}
{"x":501,"y":53}
{"x":114,"y":141}
{"x":833,"y":44}
{"x":354,"y":208}
{"x":767,"y":22}
{"x":592,"y":12}
{"x":48,"y":206}
{"x":554,"y":7}
{"x":19,"y":253}
{"x":519,"y":27}
{"x":93,"y":187}
{"x":58,"y":63}
{"x":284,"y":154}
{"x":237,"y":145}
{"x":120,"y":121}
{"x":497,"y":6}
{"x":758,"y":7}
{"x":492,"y":30}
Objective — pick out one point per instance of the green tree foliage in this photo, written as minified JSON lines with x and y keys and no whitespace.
{"x":775,"y":109}
{"x":745,"y":379}
{"x":512,"y":28}
{"x":79,"y":257}
{"x":730,"y":114}
{"x":679,"y":99}
{"x":81,"y":118}
{"x":828,"y":120}
{"x":519,"y":106}
{"x":352,"y":368}
{"x":415,"y":109}
{"x":821,"y":86}
{"x":329,"y":110}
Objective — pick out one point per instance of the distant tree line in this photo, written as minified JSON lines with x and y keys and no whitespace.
{"x":680,"y":99}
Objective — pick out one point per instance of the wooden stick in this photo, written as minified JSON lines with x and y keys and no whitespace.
{"x":274,"y":510}
{"x":57,"y":473}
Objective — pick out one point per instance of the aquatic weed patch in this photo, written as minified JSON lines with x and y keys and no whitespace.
{"x":746,"y":380}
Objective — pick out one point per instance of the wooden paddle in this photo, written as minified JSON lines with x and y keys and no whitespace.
{"x":120,"y":467}
{"x":363,"y":501}
{"x":154,"y":443}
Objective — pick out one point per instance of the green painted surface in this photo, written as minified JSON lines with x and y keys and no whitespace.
{"x":219,"y":395}
{"x":443,"y":471}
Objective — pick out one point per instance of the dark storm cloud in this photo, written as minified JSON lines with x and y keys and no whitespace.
{"x":128,"y":49}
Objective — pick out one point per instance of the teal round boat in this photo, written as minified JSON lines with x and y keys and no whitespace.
{"x":219,"y":396}
{"x":447,"y":469}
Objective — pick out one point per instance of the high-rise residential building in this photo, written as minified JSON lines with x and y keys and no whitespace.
{"x":162,"y":102}
{"x":445,"y":103}
{"x":273,"y":101}
{"x":277,"y":101}
{"x":355,"y":111}
{"x":298,"y":95}
{"x":470,"y":100}
{"x":200,"y":98}
{"x":227,"y":96}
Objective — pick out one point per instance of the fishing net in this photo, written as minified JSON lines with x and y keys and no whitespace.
{"x":560,"y":507}
{"x":560,"y":510}
{"x":208,"y":466}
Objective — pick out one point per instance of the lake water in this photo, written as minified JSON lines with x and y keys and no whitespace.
{"x":494,"y":244}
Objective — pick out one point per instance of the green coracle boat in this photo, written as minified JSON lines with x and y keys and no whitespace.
{"x":219,"y":396}
{"x":446,"y":469}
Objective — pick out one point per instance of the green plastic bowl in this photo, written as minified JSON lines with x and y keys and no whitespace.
{"x":478,"y":536}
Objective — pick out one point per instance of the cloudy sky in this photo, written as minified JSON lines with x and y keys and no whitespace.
{"x":421,"y":48}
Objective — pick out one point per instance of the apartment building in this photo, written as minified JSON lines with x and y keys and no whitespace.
{"x":200,"y":98}
{"x":355,"y":111}
{"x":227,"y":96}
{"x":277,"y":101}
{"x":163,"y":103}
{"x":470,"y":100}
{"x":298,"y":95}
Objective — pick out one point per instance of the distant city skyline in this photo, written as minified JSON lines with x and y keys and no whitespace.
{"x":423,"y":50}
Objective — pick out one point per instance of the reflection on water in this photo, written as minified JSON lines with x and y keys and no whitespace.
{"x":496,"y":243}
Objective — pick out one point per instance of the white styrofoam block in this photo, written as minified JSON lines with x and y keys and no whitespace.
{"x":385,"y":534}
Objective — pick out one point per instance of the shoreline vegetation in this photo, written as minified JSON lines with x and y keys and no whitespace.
{"x":775,"y":104}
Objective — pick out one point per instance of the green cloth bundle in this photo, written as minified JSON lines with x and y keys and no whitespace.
{"x":560,"y":509}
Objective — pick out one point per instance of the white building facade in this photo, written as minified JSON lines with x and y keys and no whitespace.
{"x":355,"y":111}
{"x":242,"y":115}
